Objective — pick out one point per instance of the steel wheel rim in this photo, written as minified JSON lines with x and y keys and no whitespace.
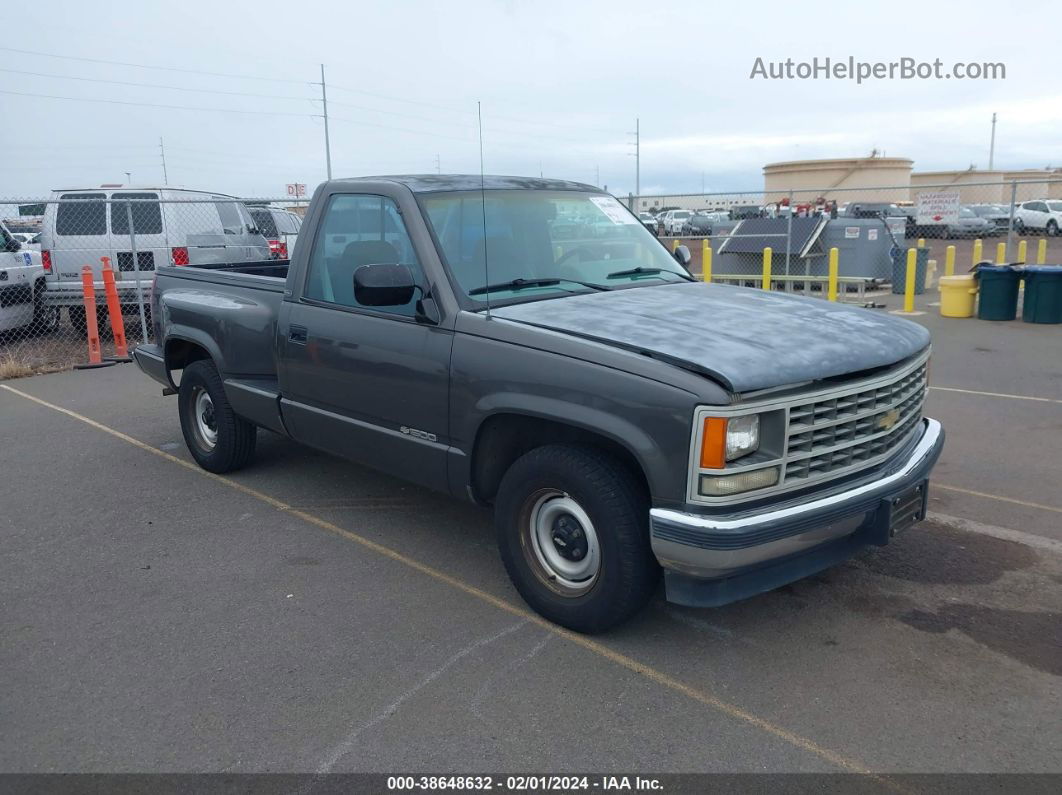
{"x":564,"y":545}
{"x":205,"y":422}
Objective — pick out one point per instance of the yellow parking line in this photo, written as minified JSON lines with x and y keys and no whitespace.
{"x":659,"y":677}
{"x":1026,"y":503}
{"x":995,"y":394}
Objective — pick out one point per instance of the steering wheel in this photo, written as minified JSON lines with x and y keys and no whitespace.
{"x":568,"y":254}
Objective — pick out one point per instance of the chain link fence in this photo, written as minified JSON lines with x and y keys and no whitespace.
{"x":871,"y":226}
{"x":47,"y":245}
{"x":76,"y":269}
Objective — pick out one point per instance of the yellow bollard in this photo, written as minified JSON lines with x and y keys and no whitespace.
{"x":706,"y":261}
{"x":832,"y":294}
{"x":766,"y":285}
{"x":977,"y":252}
{"x":1041,"y":251}
{"x":921,"y":242}
{"x":1023,"y":251}
{"x":1001,"y":253}
{"x":909,"y":285}
{"x":949,"y":261}
{"x":674,"y":245}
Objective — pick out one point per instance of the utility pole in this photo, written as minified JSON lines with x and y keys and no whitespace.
{"x":992,"y":146}
{"x":597,"y":176}
{"x":438,"y":165}
{"x":162,"y":149}
{"x":328,"y":146}
{"x":637,"y":157}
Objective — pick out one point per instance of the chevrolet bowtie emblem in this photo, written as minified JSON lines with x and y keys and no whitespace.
{"x":888,"y":419}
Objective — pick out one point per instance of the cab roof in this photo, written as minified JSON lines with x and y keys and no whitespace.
{"x":433,"y":183}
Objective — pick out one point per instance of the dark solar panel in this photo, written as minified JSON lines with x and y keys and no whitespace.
{"x":755,"y":234}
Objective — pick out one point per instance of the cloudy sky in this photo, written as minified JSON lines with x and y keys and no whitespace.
{"x":232,"y":90}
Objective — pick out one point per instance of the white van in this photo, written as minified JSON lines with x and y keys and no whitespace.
{"x":22,"y":287}
{"x":171,"y":226}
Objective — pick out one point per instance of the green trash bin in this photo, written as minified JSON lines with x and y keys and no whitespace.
{"x":899,"y":270}
{"x":997,"y":291}
{"x":1043,"y":294}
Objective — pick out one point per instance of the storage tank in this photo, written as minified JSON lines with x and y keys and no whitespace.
{"x":843,"y":179}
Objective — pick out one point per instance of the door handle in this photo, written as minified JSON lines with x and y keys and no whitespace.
{"x":298,"y":334}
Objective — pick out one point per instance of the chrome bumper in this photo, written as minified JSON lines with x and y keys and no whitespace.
{"x":712,"y":559}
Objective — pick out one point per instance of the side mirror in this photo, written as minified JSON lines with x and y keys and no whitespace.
{"x":682,"y":254}
{"x":384,"y":285}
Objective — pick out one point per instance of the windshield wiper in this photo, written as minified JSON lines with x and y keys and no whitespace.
{"x":520,"y":283}
{"x":640,"y":271}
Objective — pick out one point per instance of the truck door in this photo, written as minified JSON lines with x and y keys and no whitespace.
{"x":368,"y":383}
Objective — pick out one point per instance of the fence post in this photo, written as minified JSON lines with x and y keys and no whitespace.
{"x":1013,"y":202}
{"x":788,"y":235}
{"x":1001,"y":253}
{"x":766,"y":285}
{"x":136,"y":270}
{"x":949,"y":261}
{"x":1023,"y":252}
{"x":834,"y":255}
{"x":909,"y":283}
{"x":978,"y":254}
{"x":1041,"y":251}
{"x":706,"y":261}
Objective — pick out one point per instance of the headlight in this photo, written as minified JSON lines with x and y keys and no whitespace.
{"x":742,"y":436}
{"x":724,"y":439}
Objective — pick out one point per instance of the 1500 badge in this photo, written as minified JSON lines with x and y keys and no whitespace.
{"x":417,"y":434}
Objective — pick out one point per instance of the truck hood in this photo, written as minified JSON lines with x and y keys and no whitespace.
{"x":745,"y":339}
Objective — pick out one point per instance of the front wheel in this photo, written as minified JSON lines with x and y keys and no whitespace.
{"x":1019,"y":226}
{"x":1052,"y":228}
{"x":217,"y":438}
{"x":572,"y":526}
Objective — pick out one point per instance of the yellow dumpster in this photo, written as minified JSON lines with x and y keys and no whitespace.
{"x":957,"y":295}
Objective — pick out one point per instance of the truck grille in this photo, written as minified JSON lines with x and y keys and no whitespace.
{"x":835,"y":433}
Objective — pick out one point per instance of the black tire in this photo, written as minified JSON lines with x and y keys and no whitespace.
{"x":232,"y":446}
{"x":1052,"y":228}
{"x":1019,"y":226}
{"x":617,"y":507}
{"x":45,"y":318}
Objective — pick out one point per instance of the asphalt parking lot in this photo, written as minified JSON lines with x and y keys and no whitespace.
{"x":307,"y":614}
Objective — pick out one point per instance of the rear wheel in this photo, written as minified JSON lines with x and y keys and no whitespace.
{"x":572,"y":526}
{"x":1019,"y":226}
{"x":218,"y":440}
{"x":1052,"y":228}
{"x":45,"y":318}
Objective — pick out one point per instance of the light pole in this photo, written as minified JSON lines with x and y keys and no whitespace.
{"x":128,"y":178}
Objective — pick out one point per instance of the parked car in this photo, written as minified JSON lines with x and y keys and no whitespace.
{"x":22,"y":286}
{"x":740,"y":212}
{"x":1041,"y":215}
{"x":648,"y":220}
{"x":671,"y":222}
{"x":969,"y":224}
{"x":697,"y":225}
{"x":996,"y":214}
{"x":873,"y":210}
{"x":617,"y":414}
{"x":170,"y":226}
{"x":280,"y":228}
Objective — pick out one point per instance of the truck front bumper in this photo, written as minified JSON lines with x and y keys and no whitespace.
{"x":712,"y":560}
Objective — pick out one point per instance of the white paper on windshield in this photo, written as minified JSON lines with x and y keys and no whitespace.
{"x":614,"y":210}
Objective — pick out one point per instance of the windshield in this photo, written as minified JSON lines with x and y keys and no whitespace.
{"x":542,"y":243}
{"x":965,"y":212}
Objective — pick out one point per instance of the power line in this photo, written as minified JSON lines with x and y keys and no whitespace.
{"x":158,"y":105}
{"x":155,"y":85}
{"x":160,"y":68}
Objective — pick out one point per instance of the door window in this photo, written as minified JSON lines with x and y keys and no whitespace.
{"x":358,"y":230}
{"x":263,"y":219}
{"x":231,"y":220}
{"x":147,"y":215}
{"x":81,"y":214}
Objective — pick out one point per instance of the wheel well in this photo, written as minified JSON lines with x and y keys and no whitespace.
{"x":503,"y":438}
{"x":181,"y":353}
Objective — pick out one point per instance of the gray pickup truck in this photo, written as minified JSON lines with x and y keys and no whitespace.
{"x":529,"y":345}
